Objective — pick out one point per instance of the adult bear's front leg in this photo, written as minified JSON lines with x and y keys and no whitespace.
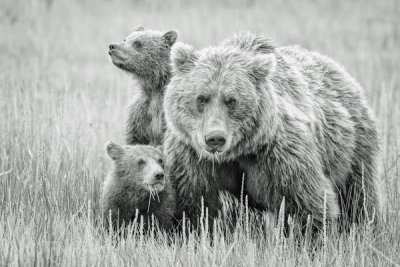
{"x":295,"y":176}
{"x":192,"y":179}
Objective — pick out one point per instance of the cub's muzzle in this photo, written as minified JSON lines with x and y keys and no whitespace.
{"x":159,"y":176}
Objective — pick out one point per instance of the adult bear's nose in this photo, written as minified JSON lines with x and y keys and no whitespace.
{"x":112,"y":46}
{"x":215,"y":140}
{"x":159,"y":176}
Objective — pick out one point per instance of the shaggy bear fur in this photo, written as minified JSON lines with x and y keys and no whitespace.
{"x":293,"y":121}
{"x":146,"y":55}
{"x":137,"y":182}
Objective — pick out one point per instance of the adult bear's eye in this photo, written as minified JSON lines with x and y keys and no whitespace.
{"x":141,"y":162}
{"x":137,"y":44}
{"x":230,"y":103}
{"x":201,"y":101}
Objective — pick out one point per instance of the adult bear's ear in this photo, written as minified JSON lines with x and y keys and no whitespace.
{"x":183,"y":57}
{"x":261,"y":66}
{"x":138,"y":28}
{"x":170,"y":37}
{"x":114,"y":151}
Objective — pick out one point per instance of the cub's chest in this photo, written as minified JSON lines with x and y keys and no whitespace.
{"x":155,"y":127}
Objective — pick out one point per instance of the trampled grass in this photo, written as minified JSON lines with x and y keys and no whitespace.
{"x":61,"y":100}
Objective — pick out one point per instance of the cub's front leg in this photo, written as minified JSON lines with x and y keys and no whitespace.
{"x":138,"y":120}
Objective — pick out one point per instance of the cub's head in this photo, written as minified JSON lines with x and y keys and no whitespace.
{"x":143,"y":52}
{"x":138,"y":166}
{"x":217,"y":98}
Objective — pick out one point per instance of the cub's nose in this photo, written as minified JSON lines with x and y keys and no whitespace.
{"x":159,"y":176}
{"x":215,"y":140}
{"x":112,"y":46}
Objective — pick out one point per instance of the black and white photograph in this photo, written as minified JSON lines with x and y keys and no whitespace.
{"x":199,"y":133}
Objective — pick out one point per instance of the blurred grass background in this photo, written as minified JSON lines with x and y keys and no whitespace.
{"x":61,"y":100}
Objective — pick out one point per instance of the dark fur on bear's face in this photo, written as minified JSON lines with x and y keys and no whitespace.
{"x":143,"y":52}
{"x":216,"y":114}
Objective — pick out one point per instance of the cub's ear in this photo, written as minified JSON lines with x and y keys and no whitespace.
{"x":183,"y":57}
{"x":261,"y":66}
{"x":138,"y":28}
{"x":114,"y":151}
{"x":170,"y":37}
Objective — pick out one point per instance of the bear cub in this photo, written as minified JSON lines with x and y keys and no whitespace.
{"x":137,"y":187}
{"x":145,"y":54}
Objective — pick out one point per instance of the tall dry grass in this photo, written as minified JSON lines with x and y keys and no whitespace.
{"x":61,"y":100}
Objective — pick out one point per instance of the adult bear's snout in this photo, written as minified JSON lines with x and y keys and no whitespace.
{"x":215,"y":140}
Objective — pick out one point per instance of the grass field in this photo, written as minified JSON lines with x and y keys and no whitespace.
{"x":61,"y":100}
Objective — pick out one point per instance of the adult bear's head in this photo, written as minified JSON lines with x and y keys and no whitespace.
{"x":219,"y":99}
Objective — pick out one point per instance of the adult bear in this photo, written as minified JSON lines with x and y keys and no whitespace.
{"x":295,"y":122}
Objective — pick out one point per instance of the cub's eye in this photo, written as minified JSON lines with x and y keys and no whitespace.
{"x":141,"y":162}
{"x":160,"y":161}
{"x":137,"y":44}
{"x":231,"y":102}
{"x":124,"y":40}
